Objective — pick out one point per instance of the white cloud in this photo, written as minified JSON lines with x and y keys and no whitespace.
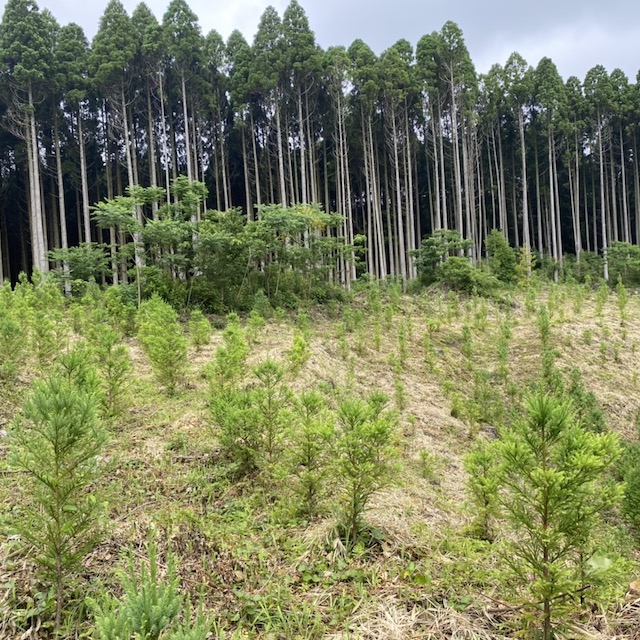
{"x":574,"y":49}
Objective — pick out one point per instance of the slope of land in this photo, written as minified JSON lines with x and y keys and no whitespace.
{"x":264,"y":573}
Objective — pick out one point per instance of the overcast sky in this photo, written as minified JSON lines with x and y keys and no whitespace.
{"x":576,"y":34}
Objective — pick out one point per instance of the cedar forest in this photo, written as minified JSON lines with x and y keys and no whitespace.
{"x":311,"y":344}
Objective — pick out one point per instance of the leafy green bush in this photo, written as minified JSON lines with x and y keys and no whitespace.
{"x":121,"y":306}
{"x":366,"y":458}
{"x":435,"y":249}
{"x":631,"y":500}
{"x":624,"y":263}
{"x":57,"y":442}
{"x":308,"y":451}
{"x":199,"y":329}
{"x":481,"y":466}
{"x":502,"y":258}
{"x":272,"y":399}
{"x":299,"y":354}
{"x":158,"y":282}
{"x":252,"y":421}
{"x":585,"y":404}
{"x":13,"y":346}
{"x":552,"y":493}
{"x":164,"y":343}
{"x":236,"y":417}
{"x":150,"y":607}
{"x":228,"y":366}
{"x":459,"y":274}
{"x":114,"y":364}
{"x":88,"y":261}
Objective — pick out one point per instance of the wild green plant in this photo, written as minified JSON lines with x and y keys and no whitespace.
{"x":57,"y":442}
{"x":150,"y":607}
{"x":487,"y":404}
{"x":481,"y":466}
{"x":343,"y":346}
{"x":601,"y":298}
{"x":308,"y":452}
{"x":429,"y":466}
{"x":228,"y":366}
{"x":262,"y":306}
{"x":377,"y":335}
{"x":399,"y":392}
{"x":45,"y":341}
{"x":411,"y":426}
{"x":304,"y":324}
{"x":252,"y":421}
{"x":503,"y":258}
{"x":530,"y":300}
{"x":550,"y":376}
{"x":374,"y":299}
{"x":272,"y":399}
{"x":467,"y":343}
{"x":617,"y":346}
{"x":480,"y":316}
{"x":120,"y":305}
{"x":199,"y":329}
{"x":587,"y":337}
{"x":629,"y":472}
{"x":428,"y":350}
{"x":255,"y":324}
{"x":578,"y":300}
{"x":502,"y":350}
{"x":298,"y":355}
{"x":552,"y":494}
{"x":13,"y":346}
{"x":365,"y":459}
{"x":78,"y":318}
{"x":362,"y":338}
{"x":389,"y":314}
{"x":402,"y":344}
{"x":235,"y":415}
{"x":453,"y":306}
{"x":585,"y":404}
{"x":163,"y":341}
{"x":113,"y":362}
{"x":349,"y":321}
{"x":622,"y":300}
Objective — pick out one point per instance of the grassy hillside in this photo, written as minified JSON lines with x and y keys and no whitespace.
{"x":455,"y":371}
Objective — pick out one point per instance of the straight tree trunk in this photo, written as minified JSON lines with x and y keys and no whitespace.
{"x":38,"y":246}
{"x":399,"y":220}
{"x":603,"y":202}
{"x":626,"y":223}
{"x":151,"y":153}
{"x":255,"y":160}
{"x":526,"y":240}
{"x":187,"y":140}
{"x":283,"y":186}
{"x":62,"y":209}
{"x":303,"y":160}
